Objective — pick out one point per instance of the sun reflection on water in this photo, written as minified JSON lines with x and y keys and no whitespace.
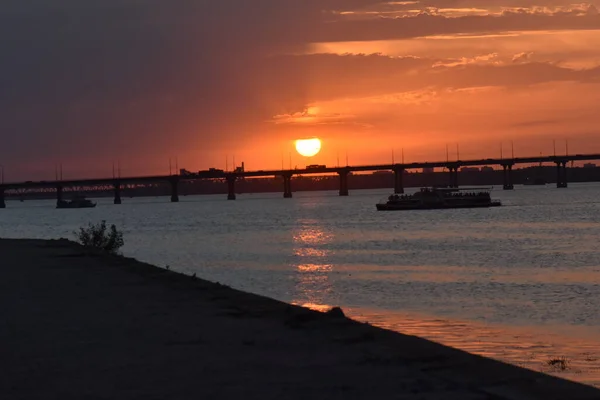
{"x":311,"y":234}
{"x":312,"y":269}
{"x":310,"y":252}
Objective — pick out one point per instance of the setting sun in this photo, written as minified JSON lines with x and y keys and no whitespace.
{"x":308,"y":147}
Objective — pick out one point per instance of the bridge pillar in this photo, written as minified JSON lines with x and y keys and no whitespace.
{"x":59,"y":195}
{"x":287,"y":186}
{"x":174,"y":181}
{"x":398,"y":180}
{"x":508,"y":185}
{"x":231,"y":187}
{"x":561,"y":174}
{"x":456,"y":177}
{"x":343,"y":182}
{"x":453,"y":176}
{"x":2,"y":202}
{"x":117,"y":186}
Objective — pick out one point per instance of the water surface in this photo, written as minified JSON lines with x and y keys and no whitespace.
{"x":521,"y":279}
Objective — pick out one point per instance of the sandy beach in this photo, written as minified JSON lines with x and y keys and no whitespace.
{"x":80,"y":326}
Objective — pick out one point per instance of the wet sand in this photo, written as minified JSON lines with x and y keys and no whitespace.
{"x":77,"y":326}
{"x":539,"y":348}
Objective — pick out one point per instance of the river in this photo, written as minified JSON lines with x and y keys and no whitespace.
{"x":520,"y":283}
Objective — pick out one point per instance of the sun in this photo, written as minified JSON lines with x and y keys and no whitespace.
{"x":308,"y":147}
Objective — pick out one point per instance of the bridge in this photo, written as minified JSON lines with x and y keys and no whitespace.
{"x":287,"y":174}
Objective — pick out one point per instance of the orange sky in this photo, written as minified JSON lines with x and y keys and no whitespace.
{"x":143,"y":82}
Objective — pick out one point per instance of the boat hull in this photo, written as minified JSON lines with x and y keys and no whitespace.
{"x":535,"y":182}
{"x":75,"y":204}
{"x":90,"y":206}
{"x":399,"y":207}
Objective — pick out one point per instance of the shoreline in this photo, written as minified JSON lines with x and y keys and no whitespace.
{"x":109,"y":326}
{"x":531,"y":347}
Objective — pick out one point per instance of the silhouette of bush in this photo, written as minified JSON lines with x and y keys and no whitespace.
{"x":559,"y":363}
{"x":100,"y":237}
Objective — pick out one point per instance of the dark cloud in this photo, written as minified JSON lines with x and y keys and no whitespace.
{"x":426,"y":24}
{"x":95,"y":78}
{"x":338,"y":76}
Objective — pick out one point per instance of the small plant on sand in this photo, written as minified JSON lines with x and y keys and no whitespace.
{"x":100,"y":237}
{"x":560,"y":363}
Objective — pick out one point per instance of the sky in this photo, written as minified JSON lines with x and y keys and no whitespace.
{"x":88,"y":84}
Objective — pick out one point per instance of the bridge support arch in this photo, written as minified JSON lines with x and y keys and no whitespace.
{"x":287,"y":186}
{"x":117,"y":186}
{"x":2,"y":200}
{"x":561,"y":174}
{"x":174,"y":181}
{"x":344,"y":182}
{"x":398,"y":180}
{"x":231,"y":187}
{"x":507,"y":184}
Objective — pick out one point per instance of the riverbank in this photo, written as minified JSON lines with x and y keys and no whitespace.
{"x":80,"y":326}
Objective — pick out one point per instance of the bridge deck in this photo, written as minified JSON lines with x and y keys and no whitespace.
{"x":304,"y":171}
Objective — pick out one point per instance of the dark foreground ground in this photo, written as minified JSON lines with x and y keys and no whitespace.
{"x":75,"y":326}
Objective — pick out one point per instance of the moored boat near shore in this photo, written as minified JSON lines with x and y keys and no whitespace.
{"x":77,"y":202}
{"x":440,"y":198}
{"x":534,"y":182}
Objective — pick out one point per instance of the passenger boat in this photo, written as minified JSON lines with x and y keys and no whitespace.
{"x":440,"y":198}
{"x":77,"y":202}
